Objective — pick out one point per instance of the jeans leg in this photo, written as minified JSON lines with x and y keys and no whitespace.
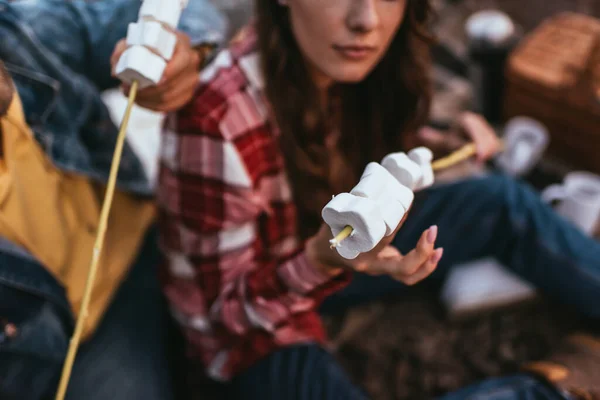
{"x":302,"y":372}
{"x":30,"y":361}
{"x":307,"y":372}
{"x":35,"y":325}
{"x":127,"y":358}
{"x":517,"y":387}
{"x":500,"y":217}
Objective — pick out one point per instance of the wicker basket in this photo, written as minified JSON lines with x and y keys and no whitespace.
{"x":554,"y":76}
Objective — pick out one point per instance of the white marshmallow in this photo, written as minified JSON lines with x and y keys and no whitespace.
{"x":363,"y":215}
{"x":391,"y":185}
{"x":139,"y":63}
{"x":378,"y":184}
{"x":405,"y":170}
{"x":153,"y":35}
{"x":373,"y":182}
{"x":370,"y":169}
{"x":392,"y":211}
{"x":165,"y":11}
{"x":423,"y":157}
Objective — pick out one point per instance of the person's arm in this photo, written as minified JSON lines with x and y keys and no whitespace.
{"x":211,"y":198}
{"x":83,"y":34}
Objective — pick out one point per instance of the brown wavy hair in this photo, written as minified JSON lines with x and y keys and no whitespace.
{"x":373,"y":116}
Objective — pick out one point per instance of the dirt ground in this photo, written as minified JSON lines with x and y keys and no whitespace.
{"x":408,"y":349}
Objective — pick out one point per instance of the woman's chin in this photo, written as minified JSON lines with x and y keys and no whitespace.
{"x":350,"y":75}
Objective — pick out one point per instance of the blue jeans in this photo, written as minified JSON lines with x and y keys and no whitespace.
{"x":500,"y":217}
{"x":126,"y":358}
{"x":489,"y":216}
{"x":307,"y":372}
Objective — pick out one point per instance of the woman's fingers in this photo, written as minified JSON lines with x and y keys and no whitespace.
{"x":419,"y":255}
{"x":424,"y":271}
{"x":390,"y":262}
{"x":389,"y":252}
{"x":384,"y":262}
{"x":395,"y":265}
{"x":482,"y":134}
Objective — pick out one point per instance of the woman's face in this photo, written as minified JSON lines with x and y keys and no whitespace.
{"x":343,"y":40}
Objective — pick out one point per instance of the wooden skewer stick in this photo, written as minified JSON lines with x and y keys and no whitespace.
{"x":457,"y":157}
{"x":108,"y":197}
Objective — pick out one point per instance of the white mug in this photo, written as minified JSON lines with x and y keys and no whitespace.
{"x":525,"y":140}
{"x":578,"y":199}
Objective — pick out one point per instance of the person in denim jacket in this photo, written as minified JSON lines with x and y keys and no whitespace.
{"x":57,"y":144}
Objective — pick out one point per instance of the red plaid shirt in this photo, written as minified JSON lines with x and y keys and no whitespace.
{"x":235,"y":273}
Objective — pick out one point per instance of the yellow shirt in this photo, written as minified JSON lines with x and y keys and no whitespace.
{"x":54,"y":215}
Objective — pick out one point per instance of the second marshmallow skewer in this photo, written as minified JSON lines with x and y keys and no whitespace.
{"x":376,"y":205}
{"x":359,"y":230}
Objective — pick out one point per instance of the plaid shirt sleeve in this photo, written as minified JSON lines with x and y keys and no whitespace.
{"x":229,"y":222}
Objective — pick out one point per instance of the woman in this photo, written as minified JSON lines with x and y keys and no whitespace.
{"x":287,"y":116}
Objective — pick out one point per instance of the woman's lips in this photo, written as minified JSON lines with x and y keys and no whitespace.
{"x":353,"y":52}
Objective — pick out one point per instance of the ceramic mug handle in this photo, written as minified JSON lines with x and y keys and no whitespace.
{"x":554,"y":193}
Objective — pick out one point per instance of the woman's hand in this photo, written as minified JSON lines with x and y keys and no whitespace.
{"x":470,"y":127}
{"x":179,"y":80}
{"x":482,"y":134}
{"x":384,"y":259}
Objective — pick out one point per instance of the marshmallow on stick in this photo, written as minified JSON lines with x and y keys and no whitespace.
{"x":363,"y":214}
{"x":390,"y":185}
{"x":393,"y":198}
{"x":420,"y":173}
{"x":374,"y":208}
{"x":384,"y":191}
{"x":150,"y":42}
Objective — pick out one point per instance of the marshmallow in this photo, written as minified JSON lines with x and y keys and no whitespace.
{"x":405,"y":170}
{"x":391,"y":196}
{"x":139,"y":63}
{"x":377,"y":173}
{"x":373,"y":182}
{"x":153,"y":35}
{"x":165,"y":11}
{"x":371,"y":169}
{"x":150,"y":42}
{"x":423,"y":157}
{"x":391,"y":210}
{"x":363,"y":215}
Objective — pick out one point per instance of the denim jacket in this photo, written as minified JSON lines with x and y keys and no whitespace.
{"x":58,"y":53}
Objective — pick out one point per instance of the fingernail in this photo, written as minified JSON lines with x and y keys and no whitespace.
{"x":437,"y":255}
{"x":432,"y":234}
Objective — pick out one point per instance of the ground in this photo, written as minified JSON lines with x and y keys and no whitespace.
{"x":409,"y":349}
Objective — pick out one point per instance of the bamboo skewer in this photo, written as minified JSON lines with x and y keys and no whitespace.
{"x":457,"y":157}
{"x":99,"y":243}
{"x":454,"y":158}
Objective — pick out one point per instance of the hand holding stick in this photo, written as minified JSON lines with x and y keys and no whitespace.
{"x":456,"y":157}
